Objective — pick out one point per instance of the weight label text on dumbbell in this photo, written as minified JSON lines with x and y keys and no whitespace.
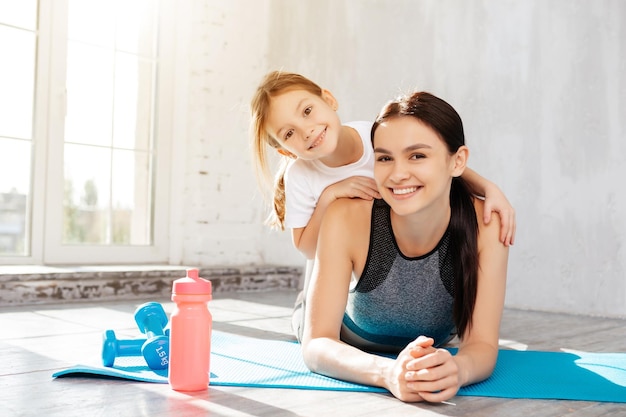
{"x":162,"y":354}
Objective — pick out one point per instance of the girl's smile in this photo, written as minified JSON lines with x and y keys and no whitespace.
{"x":319,"y":140}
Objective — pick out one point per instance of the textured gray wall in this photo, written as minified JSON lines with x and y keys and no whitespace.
{"x":540,"y":85}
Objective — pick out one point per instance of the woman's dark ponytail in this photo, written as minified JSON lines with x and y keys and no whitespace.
{"x":464,"y":250}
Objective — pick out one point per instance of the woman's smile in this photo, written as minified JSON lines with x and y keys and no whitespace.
{"x":401,"y":193}
{"x":404,"y":190}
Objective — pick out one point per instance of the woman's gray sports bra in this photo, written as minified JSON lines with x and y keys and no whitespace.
{"x":398,"y":298}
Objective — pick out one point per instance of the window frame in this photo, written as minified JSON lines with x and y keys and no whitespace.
{"x":46,"y":200}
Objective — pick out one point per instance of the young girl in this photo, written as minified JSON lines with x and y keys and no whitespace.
{"x":324,"y":160}
{"x":406,"y":273}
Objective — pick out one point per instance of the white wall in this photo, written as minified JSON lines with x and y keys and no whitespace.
{"x":541,"y":87}
{"x":219,"y":211}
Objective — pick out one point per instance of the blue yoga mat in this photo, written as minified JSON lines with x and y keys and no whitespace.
{"x":250,"y":362}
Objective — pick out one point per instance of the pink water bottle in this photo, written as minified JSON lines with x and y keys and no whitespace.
{"x":190,"y":333}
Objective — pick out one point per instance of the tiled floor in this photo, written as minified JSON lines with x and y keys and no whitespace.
{"x":36,"y":341}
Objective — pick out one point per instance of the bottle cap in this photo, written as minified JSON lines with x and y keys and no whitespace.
{"x":192,"y":284}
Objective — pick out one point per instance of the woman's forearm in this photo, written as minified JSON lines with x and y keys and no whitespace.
{"x":476,"y":362}
{"x":339,"y":360}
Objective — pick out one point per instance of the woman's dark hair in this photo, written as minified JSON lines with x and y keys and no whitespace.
{"x":446,"y":122}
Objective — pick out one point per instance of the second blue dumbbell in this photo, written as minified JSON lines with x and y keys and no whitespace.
{"x":151,"y":320}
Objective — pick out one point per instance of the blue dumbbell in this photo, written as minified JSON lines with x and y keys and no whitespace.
{"x":112,"y":347}
{"x":151,"y":320}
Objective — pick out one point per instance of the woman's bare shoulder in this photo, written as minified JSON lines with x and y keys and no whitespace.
{"x":349,"y":206}
{"x":345,"y":231}
{"x":349,"y":214}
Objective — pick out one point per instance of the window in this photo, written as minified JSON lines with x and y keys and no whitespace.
{"x":83,"y":151}
{"x":18,"y":41}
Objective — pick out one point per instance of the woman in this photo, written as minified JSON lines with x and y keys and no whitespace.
{"x":406,"y":273}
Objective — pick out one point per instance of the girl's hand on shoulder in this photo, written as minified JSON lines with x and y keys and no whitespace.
{"x":354,"y":187}
{"x":495,"y":200}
